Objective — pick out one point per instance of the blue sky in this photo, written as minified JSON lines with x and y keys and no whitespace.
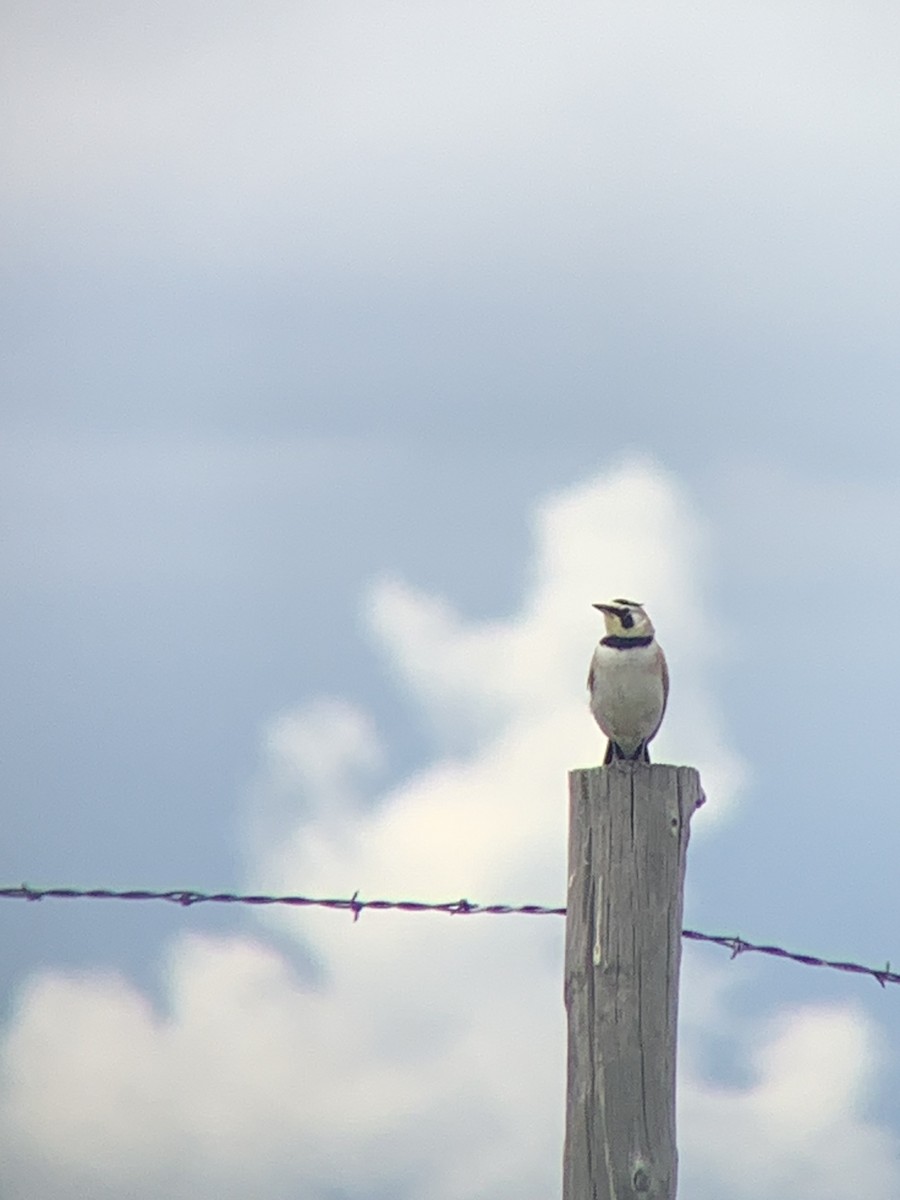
{"x":350,"y":351}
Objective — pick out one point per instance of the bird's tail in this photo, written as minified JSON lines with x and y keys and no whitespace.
{"x":615,"y":753}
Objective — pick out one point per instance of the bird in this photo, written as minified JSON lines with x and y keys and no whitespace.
{"x":628,"y":682}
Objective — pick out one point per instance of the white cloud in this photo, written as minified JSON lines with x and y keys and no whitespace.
{"x":798,"y":1128}
{"x":628,"y":534}
{"x":429,"y":1058}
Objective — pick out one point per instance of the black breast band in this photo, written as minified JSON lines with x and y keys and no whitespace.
{"x":625,"y":643}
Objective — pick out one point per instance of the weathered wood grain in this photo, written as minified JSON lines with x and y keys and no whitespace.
{"x":628,"y":836}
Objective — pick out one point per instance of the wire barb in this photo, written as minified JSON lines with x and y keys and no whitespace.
{"x":187,"y":898}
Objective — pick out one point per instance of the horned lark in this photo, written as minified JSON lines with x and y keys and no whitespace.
{"x":628,"y":681}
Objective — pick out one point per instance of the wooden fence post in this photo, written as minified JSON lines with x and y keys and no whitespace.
{"x":628,"y":833}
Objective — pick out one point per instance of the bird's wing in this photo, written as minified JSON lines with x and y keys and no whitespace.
{"x":664,"y":668}
{"x":590,"y":683}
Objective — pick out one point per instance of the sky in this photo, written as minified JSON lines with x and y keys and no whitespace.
{"x":350,"y":352}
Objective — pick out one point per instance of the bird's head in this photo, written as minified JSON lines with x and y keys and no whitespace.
{"x":625,"y":619}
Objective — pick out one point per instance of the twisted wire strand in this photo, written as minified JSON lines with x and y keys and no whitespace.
{"x":186,"y":898}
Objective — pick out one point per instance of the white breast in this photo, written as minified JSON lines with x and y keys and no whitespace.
{"x":628,"y":696}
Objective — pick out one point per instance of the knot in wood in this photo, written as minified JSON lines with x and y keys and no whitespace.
{"x":641,"y":1181}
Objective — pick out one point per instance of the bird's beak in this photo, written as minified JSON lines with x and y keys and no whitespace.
{"x":605,"y":608}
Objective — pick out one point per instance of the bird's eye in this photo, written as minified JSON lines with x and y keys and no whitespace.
{"x":627,"y":620}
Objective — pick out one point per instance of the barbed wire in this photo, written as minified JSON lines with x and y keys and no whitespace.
{"x":737,"y":945}
{"x":353,"y":904}
{"x":186,"y":898}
